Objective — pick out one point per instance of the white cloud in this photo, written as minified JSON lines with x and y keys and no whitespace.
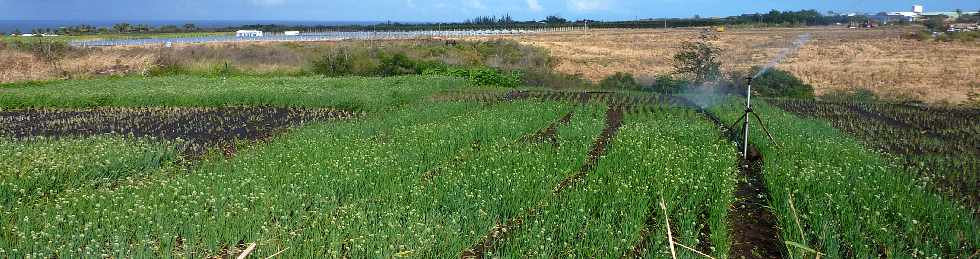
{"x":267,"y":2}
{"x":588,"y":5}
{"x":534,"y":6}
{"x":410,"y":3}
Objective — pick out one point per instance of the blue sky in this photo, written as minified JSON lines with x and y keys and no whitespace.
{"x":429,"y":10}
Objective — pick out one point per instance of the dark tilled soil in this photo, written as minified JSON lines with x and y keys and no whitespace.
{"x":614,"y":119}
{"x":704,"y":232}
{"x":753,"y":226}
{"x":499,"y":232}
{"x":549,"y":134}
{"x":639,"y":249}
{"x":625,"y":102}
{"x":199,"y":128}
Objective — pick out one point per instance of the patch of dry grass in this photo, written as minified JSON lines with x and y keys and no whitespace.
{"x":899,"y":69}
{"x":254,"y":58}
{"x":22,"y":66}
{"x":836,"y":58}
{"x":106,"y":62}
{"x":17,"y":65}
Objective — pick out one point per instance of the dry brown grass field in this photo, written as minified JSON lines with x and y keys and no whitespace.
{"x":880,"y":60}
{"x":23,"y":66}
{"x":836,"y":59}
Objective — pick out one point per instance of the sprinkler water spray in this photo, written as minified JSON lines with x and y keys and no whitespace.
{"x":800,"y":41}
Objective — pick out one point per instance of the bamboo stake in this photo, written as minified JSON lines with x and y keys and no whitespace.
{"x":247,"y":251}
{"x":692,"y":250}
{"x":797,"y":219}
{"x":277,"y":253}
{"x":670,"y":236}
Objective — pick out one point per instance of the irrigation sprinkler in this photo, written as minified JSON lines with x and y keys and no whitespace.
{"x":802,"y":40}
{"x":744,"y":119}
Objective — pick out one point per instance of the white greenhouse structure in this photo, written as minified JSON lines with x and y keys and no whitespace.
{"x":248,"y":33}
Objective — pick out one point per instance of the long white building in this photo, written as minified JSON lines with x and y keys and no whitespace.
{"x":248,"y":33}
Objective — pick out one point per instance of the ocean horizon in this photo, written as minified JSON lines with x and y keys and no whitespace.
{"x":26,"y":26}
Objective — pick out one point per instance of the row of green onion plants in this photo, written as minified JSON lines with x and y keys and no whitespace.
{"x":41,"y":168}
{"x":347,"y":93}
{"x":675,"y":155}
{"x":352,"y":188}
{"x":939,"y":146}
{"x":836,"y":197}
{"x":466,"y":199}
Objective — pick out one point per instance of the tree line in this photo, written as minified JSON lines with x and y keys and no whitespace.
{"x":119,"y":28}
{"x":772,"y":18}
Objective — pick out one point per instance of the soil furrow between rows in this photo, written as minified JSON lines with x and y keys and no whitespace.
{"x":547,"y":133}
{"x":649,"y":228}
{"x":550,"y":133}
{"x":754,"y":228}
{"x":614,"y":119}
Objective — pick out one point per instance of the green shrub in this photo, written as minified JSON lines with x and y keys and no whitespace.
{"x":545,"y":77}
{"x":864,"y":95}
{"x":166,"y":70}
{"x":619,"y":80}
{"x":935,"y":24}
{"x":480,"y":76}
{"x":49,"y":50}
{"x":666,"y":84}
{"x":163,"y":68}
{"x":699,"y":60}
{"x":397,"y":64}
{"x":962,"y":36}
{"x":423,"y":65}
{"x":335,"y":63}
{"x":343,"y":62}
{"x":493,"y":77}
{"x":778,"y":83}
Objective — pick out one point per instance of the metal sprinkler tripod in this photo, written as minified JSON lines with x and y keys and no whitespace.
{"x":745,"y":121}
